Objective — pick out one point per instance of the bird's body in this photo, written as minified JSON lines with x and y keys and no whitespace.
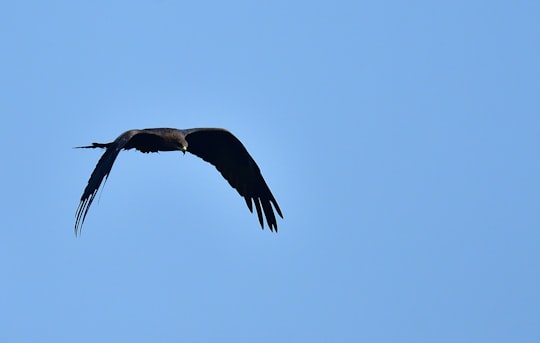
{"x":216,"y":146}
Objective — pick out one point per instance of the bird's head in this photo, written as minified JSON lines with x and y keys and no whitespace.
{"x":182,"y":146}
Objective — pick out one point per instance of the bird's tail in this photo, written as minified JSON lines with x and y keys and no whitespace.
{"x":94,"y":145}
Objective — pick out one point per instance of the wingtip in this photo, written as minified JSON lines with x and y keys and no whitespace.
{"x":77,"y":228}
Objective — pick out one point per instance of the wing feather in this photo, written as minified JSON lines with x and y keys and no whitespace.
{"x":223,"y":150}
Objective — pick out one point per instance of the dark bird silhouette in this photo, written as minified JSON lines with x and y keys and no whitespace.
{"x":216,"y":146}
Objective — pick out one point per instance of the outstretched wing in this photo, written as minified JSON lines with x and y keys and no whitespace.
{"x":222,"y":149}
{"x":100,"y":173}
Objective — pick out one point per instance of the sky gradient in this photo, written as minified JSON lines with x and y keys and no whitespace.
{"x":401,"y":140}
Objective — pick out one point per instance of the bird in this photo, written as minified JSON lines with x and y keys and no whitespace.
{"x":217,"y":146}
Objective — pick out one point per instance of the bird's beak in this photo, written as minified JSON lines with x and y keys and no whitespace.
{"x":183,"y":149}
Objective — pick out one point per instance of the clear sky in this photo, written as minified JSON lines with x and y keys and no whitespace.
{"x":400,"y":138}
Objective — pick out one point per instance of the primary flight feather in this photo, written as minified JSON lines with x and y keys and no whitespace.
{"x":216,"y":146}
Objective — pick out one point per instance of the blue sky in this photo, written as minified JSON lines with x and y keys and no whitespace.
{"x":401,"y":140}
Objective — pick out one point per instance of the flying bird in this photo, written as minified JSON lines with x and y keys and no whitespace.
{"x":216,"y":146}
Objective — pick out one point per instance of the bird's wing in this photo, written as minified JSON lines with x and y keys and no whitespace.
{"x":222,"y":149}
{"x":100,"y":173}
